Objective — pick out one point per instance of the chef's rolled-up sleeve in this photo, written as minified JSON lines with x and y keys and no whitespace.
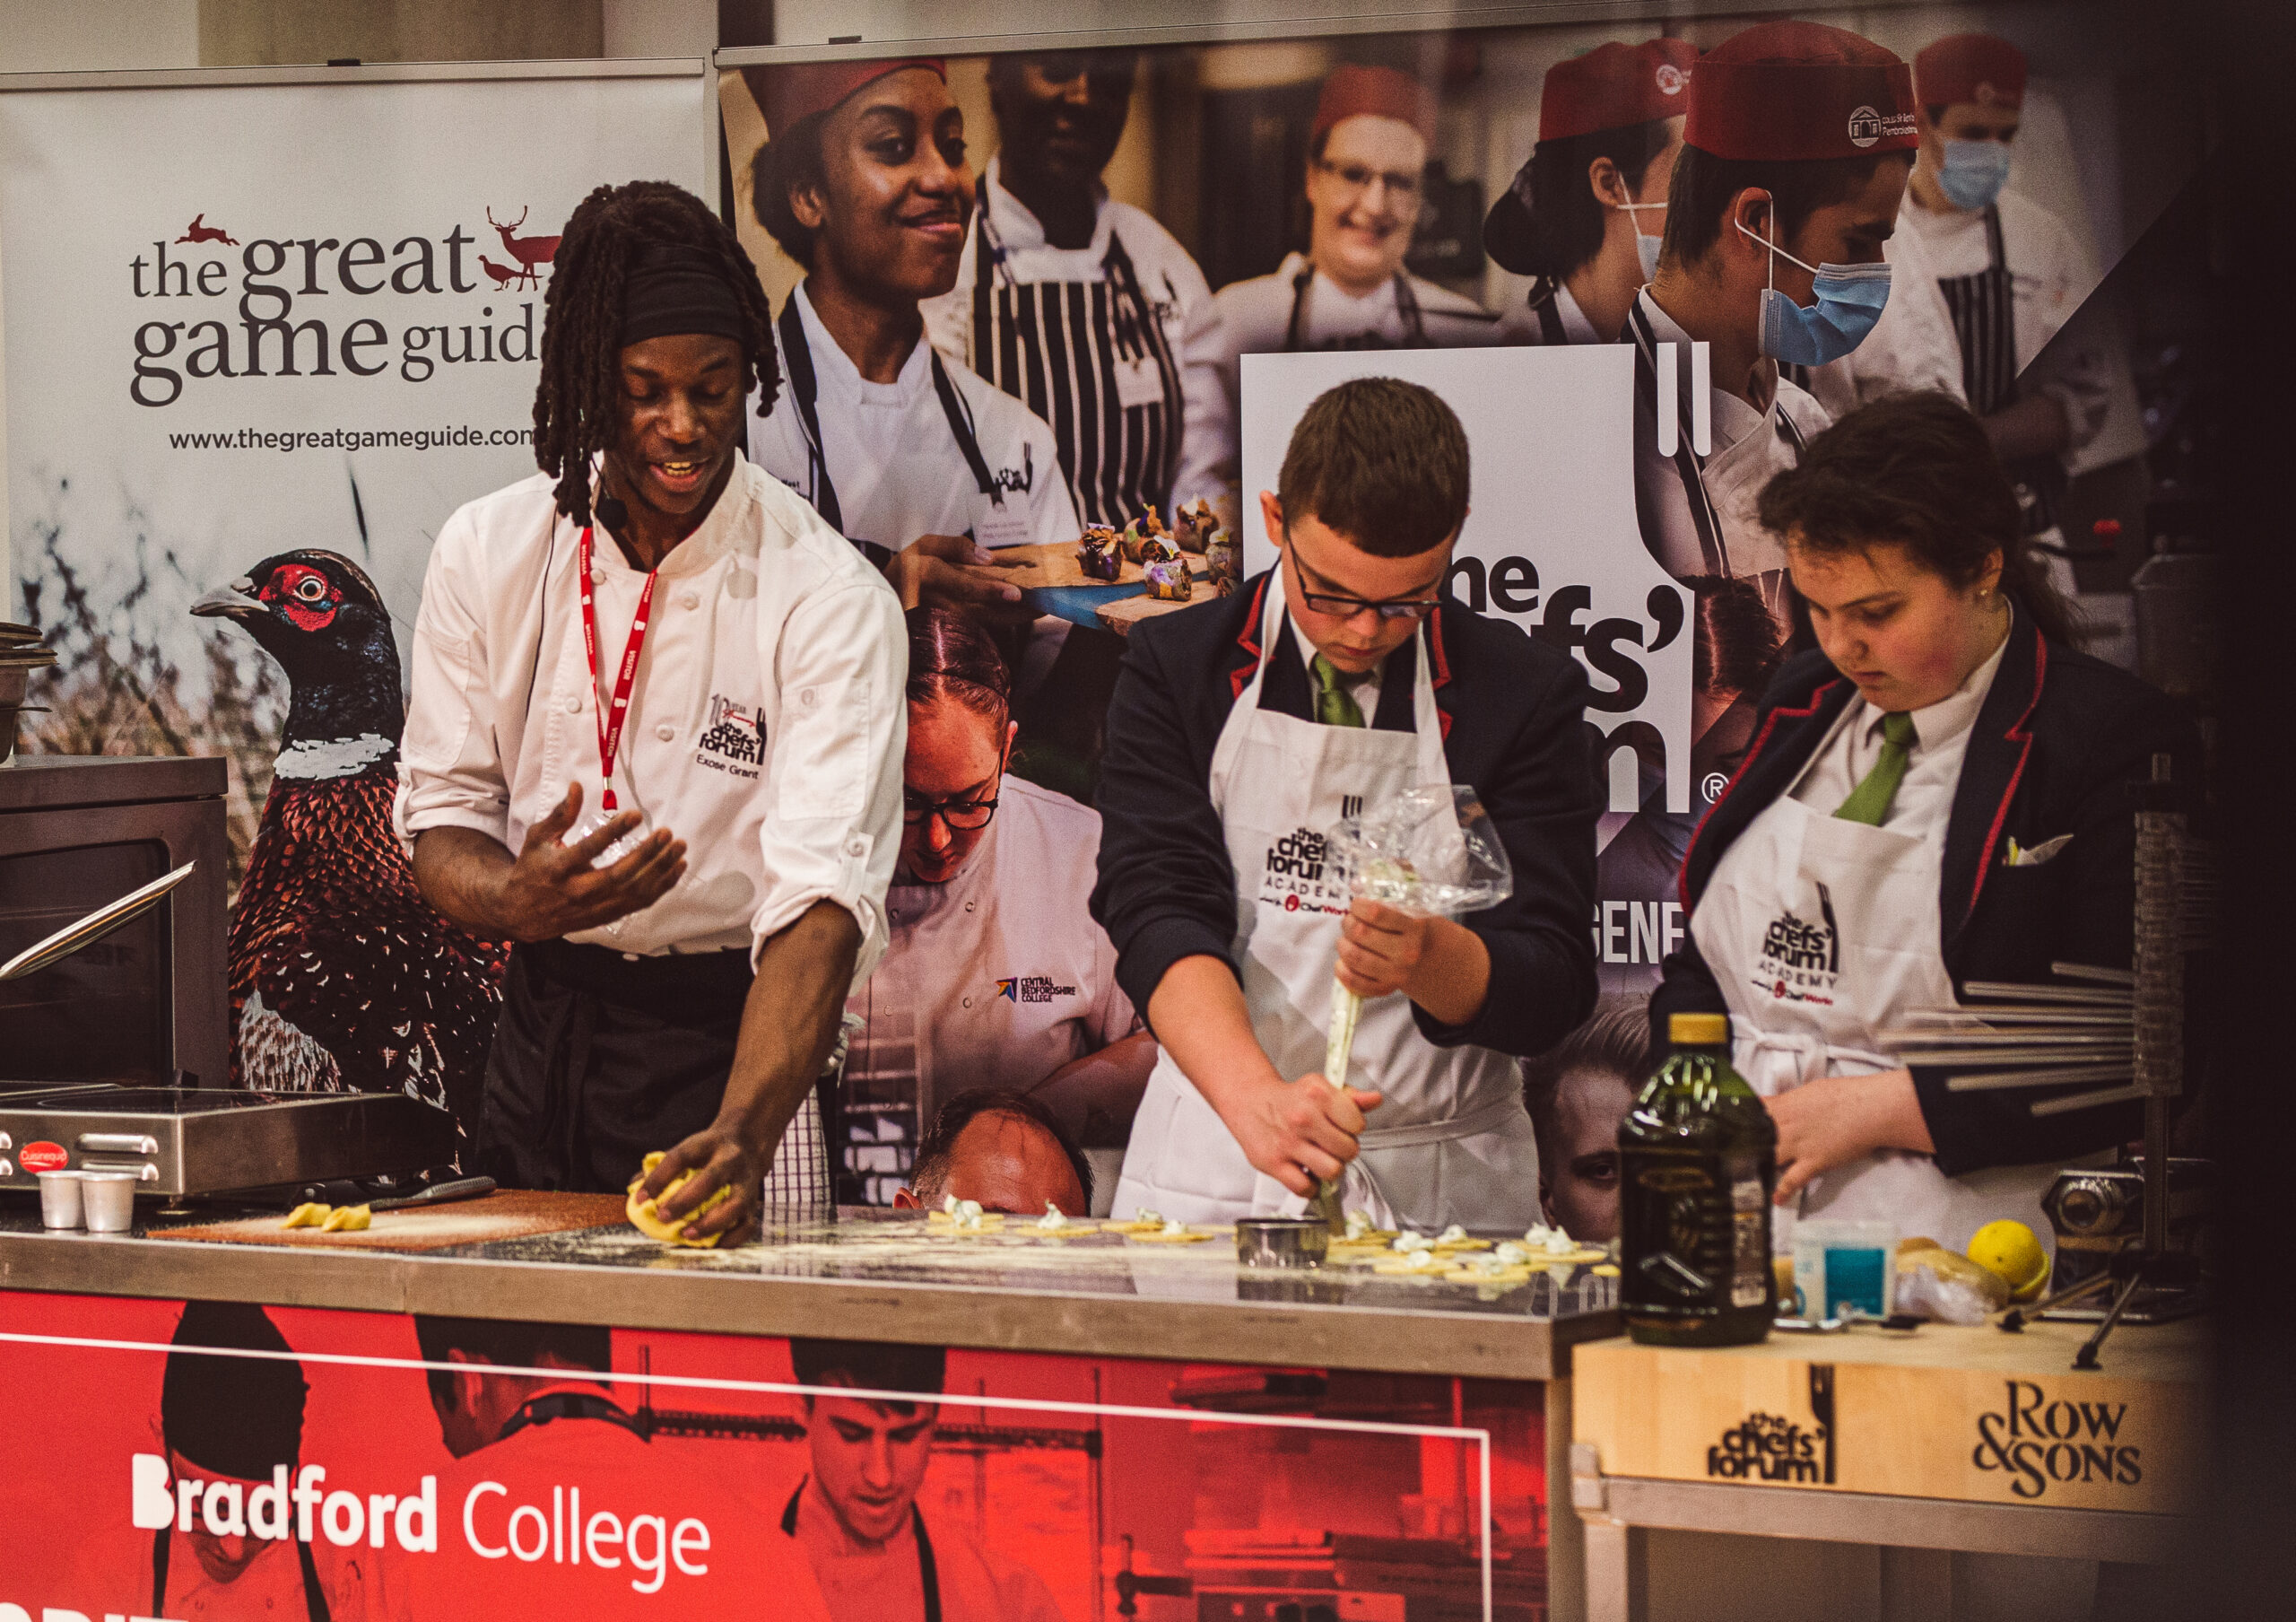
{"x":450,"y":770}
{"x":832,"y":831}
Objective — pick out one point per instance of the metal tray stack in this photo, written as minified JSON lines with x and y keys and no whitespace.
{"x":22,"y":653}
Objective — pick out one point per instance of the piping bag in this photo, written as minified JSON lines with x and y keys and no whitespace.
{"x":1431,"y":852}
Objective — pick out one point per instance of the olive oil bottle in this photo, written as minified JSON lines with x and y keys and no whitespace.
{"x":1698,"y":1159}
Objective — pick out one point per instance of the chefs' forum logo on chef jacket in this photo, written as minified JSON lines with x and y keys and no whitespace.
{"x":736,"y":740}
{"x":1298,"y":877}
{"x":1031,"y":987}
{"x":1800,"y":961}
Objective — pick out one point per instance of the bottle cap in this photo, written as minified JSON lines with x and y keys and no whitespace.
{"x":1698,"y":1030}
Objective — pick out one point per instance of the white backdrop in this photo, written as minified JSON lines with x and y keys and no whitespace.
{"x":1550,"y":434}
{"x":362,"y":205}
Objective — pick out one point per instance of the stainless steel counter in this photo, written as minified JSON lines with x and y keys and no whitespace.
{"x":873,"y":1280}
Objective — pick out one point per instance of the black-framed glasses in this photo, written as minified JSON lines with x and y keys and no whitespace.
{"x":964,"y":816}
{"x":1358,"y":176}
{"x":1348,"y":607}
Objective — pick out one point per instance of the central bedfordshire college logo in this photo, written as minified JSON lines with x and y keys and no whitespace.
{"x":735,"y":741}
{"x":1298,"y":875}
{"x":1031,"y":987}
{"x":1800,"y":961}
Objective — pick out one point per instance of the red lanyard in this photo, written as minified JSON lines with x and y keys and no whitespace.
{"x":610,"y":729}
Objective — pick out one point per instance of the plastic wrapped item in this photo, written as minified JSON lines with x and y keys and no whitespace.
{"x":1946,"y":1286}
{"x":1099,"y":552}
{"x":1429,"y":851}
{"x":1193,"y":525}
{"x":1168,"y":580}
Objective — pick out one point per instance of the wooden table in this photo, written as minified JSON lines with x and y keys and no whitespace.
{"x":1944,"y":1439}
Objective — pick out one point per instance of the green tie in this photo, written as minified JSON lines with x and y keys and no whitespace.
{"x":1869,"y":802}
{"x":1336,"y":706}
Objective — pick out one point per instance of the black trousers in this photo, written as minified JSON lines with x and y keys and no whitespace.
{"x":599,"y":1058}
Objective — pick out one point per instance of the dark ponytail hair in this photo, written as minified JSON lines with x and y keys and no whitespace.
{"x":577,"y":404}
{"x":1917,"y":470}
{"x":1567,"y":220}
{"x":952,"y":656}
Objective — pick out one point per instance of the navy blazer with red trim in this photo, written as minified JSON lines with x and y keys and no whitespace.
{"x":2056,"y":747}
{"x":1512,"y":716}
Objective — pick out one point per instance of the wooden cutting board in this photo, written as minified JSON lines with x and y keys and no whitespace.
{"x":506,"y":1213}
{"x":1031,"y":568}
{"x":1121,"y":615}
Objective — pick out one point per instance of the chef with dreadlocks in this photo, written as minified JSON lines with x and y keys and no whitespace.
{"x":656,"y":737}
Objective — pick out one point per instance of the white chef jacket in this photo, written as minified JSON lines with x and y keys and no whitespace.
{"x":1733,"y":474}
{"x":766,"y":722}
{"x":1924,"y":802}
{"x":1175,"y":289}
{"x":2050,"y":274}
{"x":1256,"y":316}
{"x":1911,"y":347}
{"x":1521,"y":324}
{"x":998,"y":977}
{"x":870,"y":430}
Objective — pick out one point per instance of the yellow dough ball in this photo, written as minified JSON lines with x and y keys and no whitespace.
{"x":649,"y":1221}
{"x":347,"y":1219}
{"x":2009,"y":1250}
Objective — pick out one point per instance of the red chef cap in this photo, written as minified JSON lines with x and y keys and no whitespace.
{"x":1615,"y":85}
{"x":1793,"y":92}
{"x":1353,"y":90}
{"x":1970,"y":67}
{"x":787,"y":94}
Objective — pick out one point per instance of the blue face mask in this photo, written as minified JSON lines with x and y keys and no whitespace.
{"x":1973,"y":172}
{"x":1645,"y":246}
{"x":1850,"y":299}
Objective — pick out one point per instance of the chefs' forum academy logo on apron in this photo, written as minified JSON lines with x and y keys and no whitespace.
{"x":736,"y":740}
{"x":1298,"y":875}
{"x":1800,"y":961}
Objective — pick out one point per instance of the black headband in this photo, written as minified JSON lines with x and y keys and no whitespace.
{"x":676,"y":289}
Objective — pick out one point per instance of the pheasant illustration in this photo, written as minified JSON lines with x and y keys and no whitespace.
{"x":342,"y":978}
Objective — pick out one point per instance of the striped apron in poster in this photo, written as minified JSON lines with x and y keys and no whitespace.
{"x":1984,"y":308}
{"x":1091,"y":359}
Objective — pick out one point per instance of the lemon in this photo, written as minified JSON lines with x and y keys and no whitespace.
{"x":2009,"y":1250}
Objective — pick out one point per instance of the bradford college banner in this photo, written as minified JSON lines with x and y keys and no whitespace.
{"x":227,"y":1460}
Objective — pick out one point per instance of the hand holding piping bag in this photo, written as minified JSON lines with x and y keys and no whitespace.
{"x":1430,"y":851}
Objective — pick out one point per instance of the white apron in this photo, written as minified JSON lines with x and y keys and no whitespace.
{"x":1821,"y":934}
{"x":1450,"y":1141}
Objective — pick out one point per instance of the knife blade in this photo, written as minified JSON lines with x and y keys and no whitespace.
{"x":442,"y":1193}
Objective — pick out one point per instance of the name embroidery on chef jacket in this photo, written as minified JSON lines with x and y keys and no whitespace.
{"x":1031,"y":987}
{"x":1800,"y":961}
{"x":734,"y":742}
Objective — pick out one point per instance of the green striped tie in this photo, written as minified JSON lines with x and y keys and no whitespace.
{"x":1336,"y":706}
{"x":1869,"y":802}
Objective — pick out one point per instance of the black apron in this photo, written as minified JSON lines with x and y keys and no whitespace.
{"x":599,"y":1058}
{"x":805,"y":388}
{"x":1984,"y":308}
{"x":314,"y":1598}
{"x":1415,"y":326}
{"x":1054,"y":346}
{"x":928,"y":1578}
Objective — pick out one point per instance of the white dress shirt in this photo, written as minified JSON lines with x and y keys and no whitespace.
{"x":1924,"y":801}
{"x":1363,"y":689}
{"x":1520,"y":325}
{"x":1172,"y":284}
{"x":2050,"y":274}
{"x":766,"y":724}
{"x":895,"y":461}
